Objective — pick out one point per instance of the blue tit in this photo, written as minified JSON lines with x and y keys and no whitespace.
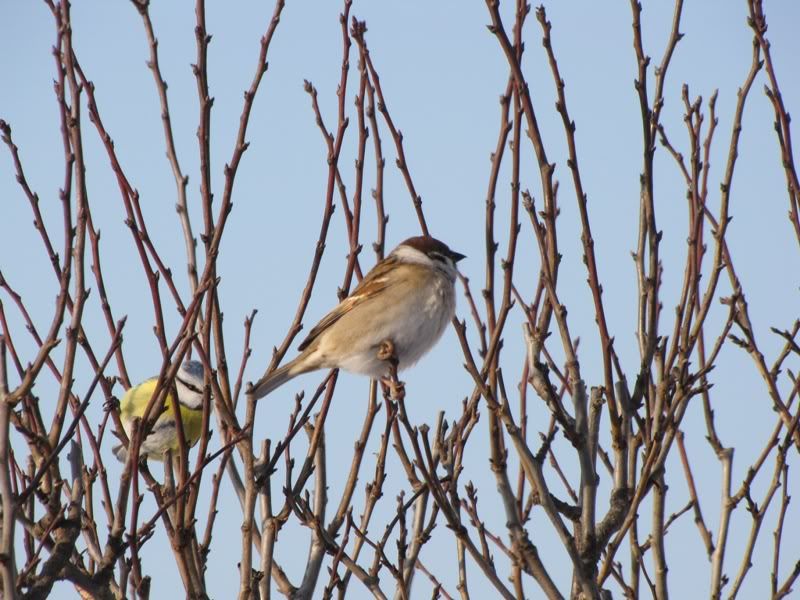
{"x":164,"y":435}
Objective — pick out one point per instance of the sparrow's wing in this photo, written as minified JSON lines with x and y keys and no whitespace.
{"x":373,"y":283}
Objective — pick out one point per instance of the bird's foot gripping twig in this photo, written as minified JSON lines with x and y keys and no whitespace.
{"x":386,"y":352}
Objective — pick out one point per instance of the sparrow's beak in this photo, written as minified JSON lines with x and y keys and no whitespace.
{"x":457,"y":256}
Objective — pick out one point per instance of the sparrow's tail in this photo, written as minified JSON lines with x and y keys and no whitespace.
{"x":274,"y":379}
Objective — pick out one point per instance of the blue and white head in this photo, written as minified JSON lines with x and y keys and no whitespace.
{"x":189,"y":383}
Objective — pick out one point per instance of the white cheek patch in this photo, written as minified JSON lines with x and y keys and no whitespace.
{"x":189,"y":393}
{"x":411,"y":255}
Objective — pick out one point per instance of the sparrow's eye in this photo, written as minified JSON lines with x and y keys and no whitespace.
{"x":437,"y":256}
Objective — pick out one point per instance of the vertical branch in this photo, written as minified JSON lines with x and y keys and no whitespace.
{"x":135,"y":222}
{"x":333,"y":158}
{"x":268,"y":531}
{"x":181,"y":180}
{"x":758,"y":23}
{"x":360,"y":446}
{"x":758,"y":511}
{"x":531,"y":464}
{"x":64,"y":301}
{"x":241,"y":142}
{"x":659,"y":552}
{"x":246,"y":590}
{"x":8,"y":563}
{"x":546,"y":169}
{"x":359,"y":28}
{"x":317,"y":550}
{"x":374,"y":488}
{"x":649,"y":276}
{"x":200,"y":69}
{"x":589,"y":259}
{"x":80,"y":294}
{"x":491,"y":244}
{"x":380,"y":162}
{"x":231,"y":168}
{"x":363,"y":133}
{"x":705,"y":534}
{"x":718,"y":579}
{"x":778,"y":533}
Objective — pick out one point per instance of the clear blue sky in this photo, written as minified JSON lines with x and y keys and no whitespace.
{"x":442,"y":73}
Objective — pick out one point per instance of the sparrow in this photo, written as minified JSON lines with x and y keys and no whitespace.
{"x":405,"y":302}
{"x":164,"y":435}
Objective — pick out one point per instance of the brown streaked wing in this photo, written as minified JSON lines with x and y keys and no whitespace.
{"x":373,"y":283}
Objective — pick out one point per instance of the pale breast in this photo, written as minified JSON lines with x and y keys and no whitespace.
{"x":413,"y":314}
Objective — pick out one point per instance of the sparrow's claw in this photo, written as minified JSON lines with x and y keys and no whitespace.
{"x":386,"y":350}
{"x":397,"y":389}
